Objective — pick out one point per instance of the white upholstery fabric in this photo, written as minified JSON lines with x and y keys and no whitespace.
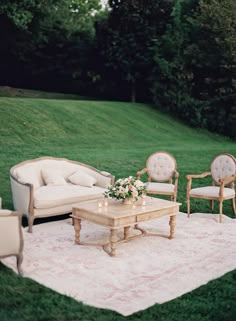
{"x":53,"y":176}
{"x":31,"y":172}
{"x":30,"y":176}
{"x":50,"y":200}
{"x":211,"y":191}
{"x":160,"y":187}
{"x":4,"y":212}
{"x":52,"y":196}
{"x":223,"y":166}
{"x":0,"y":202}
{"x":160,"y":166}
{"x":9,"y":234}
{"x":58,"y":210}
{"x":82,"y":178}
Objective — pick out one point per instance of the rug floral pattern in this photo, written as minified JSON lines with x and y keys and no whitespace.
{"x":145,"y":271}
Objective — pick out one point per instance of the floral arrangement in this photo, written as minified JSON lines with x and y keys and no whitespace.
{"x":126,"y":188}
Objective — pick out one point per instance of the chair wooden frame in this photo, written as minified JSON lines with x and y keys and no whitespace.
{"x":18,"y":253}
{"x":174,"y":175}
{"x":222,"y":182}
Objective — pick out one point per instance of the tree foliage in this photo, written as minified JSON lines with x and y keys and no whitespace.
{"x":126,"y":39}
{"x":194,"y":74}
{"x":179,"y":54}
{"x":51,"y":42}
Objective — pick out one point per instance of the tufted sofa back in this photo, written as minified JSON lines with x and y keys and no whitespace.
{"x":160,"y":166}
{"x":223,"y":165}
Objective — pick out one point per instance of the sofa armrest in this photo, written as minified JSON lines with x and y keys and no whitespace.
{"x":22,"y":194}
{"x":104,"y":179}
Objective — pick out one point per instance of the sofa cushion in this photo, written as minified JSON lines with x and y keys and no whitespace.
{"x":83,"y":179}
{"x":53,"y":177}
{"x":52,"y":195}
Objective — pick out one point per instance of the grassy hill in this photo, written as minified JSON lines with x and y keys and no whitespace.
{"x":113,"y":136}
{"x":116,"y":137}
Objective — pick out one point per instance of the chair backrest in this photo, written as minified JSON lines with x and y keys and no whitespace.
{"x":11,"y":235}
{"x":160,"y":166}
{"x":223,"y":165}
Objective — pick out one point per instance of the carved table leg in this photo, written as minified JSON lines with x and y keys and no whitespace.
{"x":126,"y":232}
{"x":77,"y":227}
{"x":172,"y":224}
{"x":113,"y":240}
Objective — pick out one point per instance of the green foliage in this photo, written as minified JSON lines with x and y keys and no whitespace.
{"x":171,"y":78}
{"x":193,"y":76}
{"x":127,"y":37}
{"x":72,"y":13}
{"x":116,"y":137}
{"x":179,"y":54}
{"x":53,"y":48}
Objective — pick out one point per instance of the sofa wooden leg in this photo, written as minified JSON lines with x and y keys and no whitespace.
{"x":19,"y":260}
{"x":30,"y":224}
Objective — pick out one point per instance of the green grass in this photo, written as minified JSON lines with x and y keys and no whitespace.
{"x":116,"y":137}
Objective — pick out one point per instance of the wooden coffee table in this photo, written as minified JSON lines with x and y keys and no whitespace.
{"x":117,"y":215}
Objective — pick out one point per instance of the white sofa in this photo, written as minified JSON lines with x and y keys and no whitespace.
{"x":49,"y":186}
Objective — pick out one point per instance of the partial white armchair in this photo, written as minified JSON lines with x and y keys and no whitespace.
{"x":162,"y":174}
{"x":11,"y":236}
{"x":223,"y":174}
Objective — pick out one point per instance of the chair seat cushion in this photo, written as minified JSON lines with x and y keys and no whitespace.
{"x":211,"y":191}
{"x":52,"y":196}
{"x":160,"y":187}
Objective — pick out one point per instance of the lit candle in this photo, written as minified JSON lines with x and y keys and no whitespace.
{"x":106,"y":203}
{"x":100,"y":204}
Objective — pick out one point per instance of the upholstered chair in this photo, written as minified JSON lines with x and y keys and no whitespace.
{"x":162,"y":174}
{"x":223,"y":175}
{"x":11,"y":236}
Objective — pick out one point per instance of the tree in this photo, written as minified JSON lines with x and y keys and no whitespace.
{"x":194,"y":71}
{"x":212,"y":57}
{"x":127,"y":37}
{"x":52,"y":42}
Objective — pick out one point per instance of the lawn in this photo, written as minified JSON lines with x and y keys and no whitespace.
{"x":116,"y":137}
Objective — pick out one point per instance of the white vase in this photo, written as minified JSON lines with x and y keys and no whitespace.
{"x":127,"y":201}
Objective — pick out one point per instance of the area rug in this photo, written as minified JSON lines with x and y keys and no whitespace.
{"x":145,"y":271}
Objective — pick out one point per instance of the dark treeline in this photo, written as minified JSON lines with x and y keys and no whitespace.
{"x":178,"y":54}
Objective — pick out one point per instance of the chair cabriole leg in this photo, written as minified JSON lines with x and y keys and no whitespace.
{"x":233,"y":205}
{"x":212,"y":205}
{"x":188,"y":206}
{"x":221,"y":209}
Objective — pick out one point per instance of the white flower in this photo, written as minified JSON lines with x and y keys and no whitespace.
{"x":128,"y":187}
